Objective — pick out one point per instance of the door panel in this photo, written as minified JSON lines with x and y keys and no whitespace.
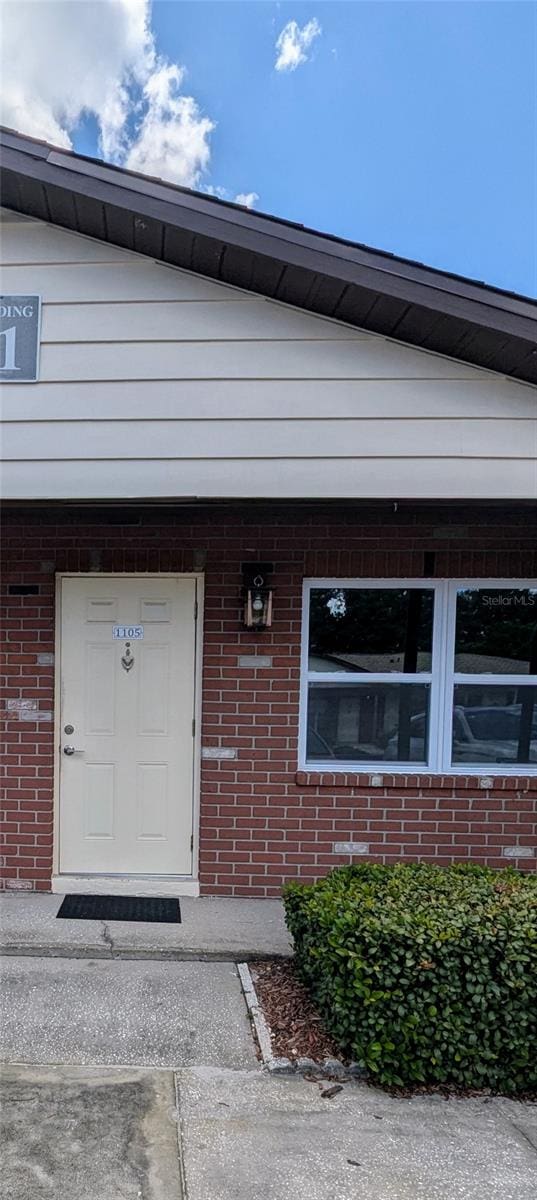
{"x":155,"y":691}
{"x":152,"y":789}
{"x":100,"y":685}
{"x":126,"y":792}
{"x":99,"y":800}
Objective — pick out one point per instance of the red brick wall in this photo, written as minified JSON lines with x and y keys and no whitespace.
{"x":261,"y":821}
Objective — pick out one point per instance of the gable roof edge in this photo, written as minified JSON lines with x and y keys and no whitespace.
{"x":328,"y":276}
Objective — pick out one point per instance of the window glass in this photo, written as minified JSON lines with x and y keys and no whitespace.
{"x":381,"y":722}
{"x":496,"y":631}
{"x":494,"y":723}
{"x":385,"y":700}
{"x":371,"y":629}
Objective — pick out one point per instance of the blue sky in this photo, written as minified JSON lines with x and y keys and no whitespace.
{"x":408,"y":126}
{"x":413,"y":126}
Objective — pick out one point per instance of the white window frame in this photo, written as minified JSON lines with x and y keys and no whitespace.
{"x":441,"y":678}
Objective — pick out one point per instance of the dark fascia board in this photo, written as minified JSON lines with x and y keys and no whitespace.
{"x":481,"y":306}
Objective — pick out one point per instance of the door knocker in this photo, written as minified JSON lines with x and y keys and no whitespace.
{"x":127,"y":659}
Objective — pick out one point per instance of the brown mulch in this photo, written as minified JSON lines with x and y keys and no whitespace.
{"x":295,"y":1024}
{"x":297,"y":1030}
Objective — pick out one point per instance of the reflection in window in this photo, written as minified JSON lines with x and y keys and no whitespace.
{"x":383,"y":722}
{"x":376,"y":694}
{"x":371,"y":629}
{"x":494,"y":724}
{"x":496,"y":631}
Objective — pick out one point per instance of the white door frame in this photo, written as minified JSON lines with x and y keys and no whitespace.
{"x":147,"y":885}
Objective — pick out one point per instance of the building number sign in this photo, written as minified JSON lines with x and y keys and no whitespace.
{"x":19,"y":338}
{"x":131,"y":632}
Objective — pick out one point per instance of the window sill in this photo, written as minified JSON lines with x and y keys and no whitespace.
{"x":343,"y":777}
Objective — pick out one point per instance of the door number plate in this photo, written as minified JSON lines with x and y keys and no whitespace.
{"x":132,"y":632}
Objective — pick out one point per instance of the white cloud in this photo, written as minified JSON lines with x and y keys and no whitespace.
{"x":293,"y":44}
{"x":173,"y":139}
{"x":247,"y":199}
{"x":212,"y":189}
{"x":64,"y":59}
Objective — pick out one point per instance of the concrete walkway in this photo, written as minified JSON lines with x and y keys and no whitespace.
{"x":72,"y":1133}
{"x":246,"y":1136}
{"x":138,"y":1080}
{"x":207,"y":1133}
{"x":89,"y":1012}
{"x":211,"y":928}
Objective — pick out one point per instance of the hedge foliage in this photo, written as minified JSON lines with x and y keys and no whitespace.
{"x":424,"y":974}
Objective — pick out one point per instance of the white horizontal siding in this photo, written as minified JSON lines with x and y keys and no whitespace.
{"x":36,"y":243}
{"x":367,"y":358}
{"x":280,"y":438}
{"x":229,"y":399}
{"x":114,"y":281}
{"x":157,"y":382}
{"x":323,"y":477}
{"x":181,"y":321}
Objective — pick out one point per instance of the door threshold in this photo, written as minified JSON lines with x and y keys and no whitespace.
{"x":126,"y":885}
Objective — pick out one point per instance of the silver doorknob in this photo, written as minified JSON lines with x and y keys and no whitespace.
{"x":71,"y":750}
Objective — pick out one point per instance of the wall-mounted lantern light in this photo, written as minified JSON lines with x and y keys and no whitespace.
{"x":257,"y":595}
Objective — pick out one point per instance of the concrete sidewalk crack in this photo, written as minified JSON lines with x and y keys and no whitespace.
{"x":523,"y":1134}
{"x":107,"y":938}
{"x":180,"y":1138}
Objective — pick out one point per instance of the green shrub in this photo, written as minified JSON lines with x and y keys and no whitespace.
{"x":424,"y":974}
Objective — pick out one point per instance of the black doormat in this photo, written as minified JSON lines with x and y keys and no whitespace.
{"x":120,"y":908}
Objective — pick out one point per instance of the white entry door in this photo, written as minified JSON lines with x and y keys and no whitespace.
{"x":127,"y":711}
